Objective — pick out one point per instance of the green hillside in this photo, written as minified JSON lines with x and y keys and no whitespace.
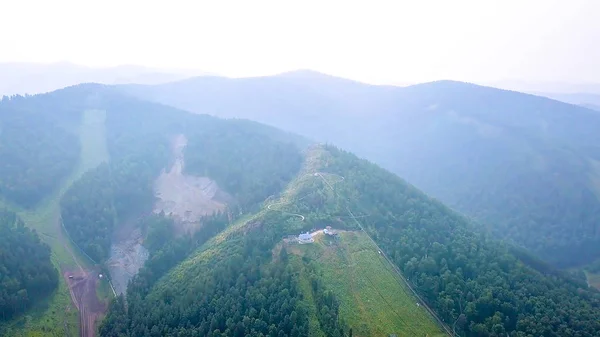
{"x":37,"y":151}
{"x":522,"y":165}
{"x":55,"y":315}
{"x":236,"y":275}
{"x":244,"y":259}
{"x":92,"y":197}
{"x":475,"y":285}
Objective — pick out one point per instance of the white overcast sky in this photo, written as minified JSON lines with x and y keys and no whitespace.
{"x":391,"y":41}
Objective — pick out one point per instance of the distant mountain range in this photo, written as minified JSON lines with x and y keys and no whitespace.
{"x":32,"y":78}
{"x":527,"y":167}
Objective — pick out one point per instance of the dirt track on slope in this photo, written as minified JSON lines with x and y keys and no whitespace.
{"x":82,"y":287}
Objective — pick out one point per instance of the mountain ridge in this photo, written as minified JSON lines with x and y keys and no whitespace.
{"x":512,"y":161}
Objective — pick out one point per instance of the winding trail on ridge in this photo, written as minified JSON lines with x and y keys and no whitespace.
{"x":269,"y":207}
{"x":316,"y":174}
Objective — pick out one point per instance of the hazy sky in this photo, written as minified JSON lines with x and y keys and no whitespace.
{"x":398,"y":41}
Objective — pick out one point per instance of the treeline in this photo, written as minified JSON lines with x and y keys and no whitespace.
{"x":26,"y":273}
{"x":474,"y":284}
{"x":37,"y":151}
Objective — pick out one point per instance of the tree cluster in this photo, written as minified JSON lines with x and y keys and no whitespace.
{"x":37,"y":152}
{"x":26,"y":272}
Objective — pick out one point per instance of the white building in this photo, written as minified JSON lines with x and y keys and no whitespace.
{"x":305,"y":238}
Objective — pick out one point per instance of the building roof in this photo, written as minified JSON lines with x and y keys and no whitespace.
{"x":305,"y":236}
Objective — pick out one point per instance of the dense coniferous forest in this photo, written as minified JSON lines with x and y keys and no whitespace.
{"x":247,"y":164}
{"x":26,"y":273}
{"x":87,"y":212}
{"x":36,"y":151}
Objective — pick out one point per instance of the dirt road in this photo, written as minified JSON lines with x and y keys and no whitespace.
{"x":82,"y":287}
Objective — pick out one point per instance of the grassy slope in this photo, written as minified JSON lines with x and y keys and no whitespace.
{"x":372,"y":300}
{"x":56,"y":316}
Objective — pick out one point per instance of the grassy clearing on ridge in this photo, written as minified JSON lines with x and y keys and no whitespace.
{"x":372,"y":300}
{"x":56,"y":316}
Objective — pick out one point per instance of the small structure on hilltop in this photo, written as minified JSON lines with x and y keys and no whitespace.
{"x":305,"y":238}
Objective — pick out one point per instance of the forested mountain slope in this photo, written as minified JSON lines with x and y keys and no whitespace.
{"x":26,"y":273}
{"x":248,"y":160}
{"x":37,"y":148}
{"x":251,"y":161}
{"x":524,"y":166}
{"x":244,"y":280}
{"x":235,"y":276}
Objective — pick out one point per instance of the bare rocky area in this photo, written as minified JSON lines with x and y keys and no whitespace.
{"x":127,"y":256}
{"x":184,"y":197}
